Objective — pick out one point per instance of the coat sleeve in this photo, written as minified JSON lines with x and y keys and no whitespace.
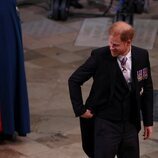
{"x":76,"y":80}
{"x":147,"y":98}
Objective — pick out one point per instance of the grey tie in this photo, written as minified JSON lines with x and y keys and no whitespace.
{"x":123,"y":62}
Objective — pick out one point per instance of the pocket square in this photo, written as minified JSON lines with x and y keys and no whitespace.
{"x":141,"y":91}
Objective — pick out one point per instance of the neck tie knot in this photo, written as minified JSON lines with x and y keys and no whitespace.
{"x":123,"y":63}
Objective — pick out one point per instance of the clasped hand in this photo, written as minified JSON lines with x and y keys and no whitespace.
{"x":87,"y":114}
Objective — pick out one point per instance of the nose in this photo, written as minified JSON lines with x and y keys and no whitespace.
{"x":111,"y":47}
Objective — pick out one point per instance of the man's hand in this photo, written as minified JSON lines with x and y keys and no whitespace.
{"x":147,"y":132}
{"x":87,"y":114}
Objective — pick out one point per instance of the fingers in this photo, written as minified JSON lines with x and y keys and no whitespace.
{"x":87,"y":114}
{"x":147,"y":132}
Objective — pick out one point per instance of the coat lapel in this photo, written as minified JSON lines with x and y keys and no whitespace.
{"x":134,"y":66}
{"x":114,"y":65}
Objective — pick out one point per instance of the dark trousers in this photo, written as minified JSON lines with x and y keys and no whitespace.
{"x":115,"y":138}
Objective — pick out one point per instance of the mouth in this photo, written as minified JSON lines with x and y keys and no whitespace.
{"x":114,"y":54}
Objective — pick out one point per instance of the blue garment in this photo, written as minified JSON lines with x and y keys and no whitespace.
{"x":13,"y":91}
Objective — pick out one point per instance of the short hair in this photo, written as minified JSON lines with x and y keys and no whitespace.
{"x":123,"y":29}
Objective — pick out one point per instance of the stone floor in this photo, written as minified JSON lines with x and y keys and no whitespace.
{"x":51,"y":55}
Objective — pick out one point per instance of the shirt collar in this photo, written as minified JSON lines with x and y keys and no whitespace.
{"x":128,"y":55}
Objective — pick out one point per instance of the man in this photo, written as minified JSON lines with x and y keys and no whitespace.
{"x":122,"y":87}
{"x":14,"y":108}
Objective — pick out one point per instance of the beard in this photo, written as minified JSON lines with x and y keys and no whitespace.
{"x":114,"y":53}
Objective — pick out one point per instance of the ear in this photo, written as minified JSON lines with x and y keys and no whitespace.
{"x":129,"y":42}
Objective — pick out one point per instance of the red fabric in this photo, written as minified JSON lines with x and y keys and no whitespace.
{"x":1,"y":123}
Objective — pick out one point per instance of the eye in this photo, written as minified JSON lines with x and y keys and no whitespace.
{"x":116,"y":45}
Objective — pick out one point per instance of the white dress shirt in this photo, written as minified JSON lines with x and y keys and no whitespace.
{"x":128,"y":65}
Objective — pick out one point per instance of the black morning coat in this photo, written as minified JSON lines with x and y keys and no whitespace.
{"x":101,"y":66}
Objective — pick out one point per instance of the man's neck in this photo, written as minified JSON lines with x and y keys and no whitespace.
{"x":128,"y":50}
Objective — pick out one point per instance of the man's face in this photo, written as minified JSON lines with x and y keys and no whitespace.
{"x":118,"y":47}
